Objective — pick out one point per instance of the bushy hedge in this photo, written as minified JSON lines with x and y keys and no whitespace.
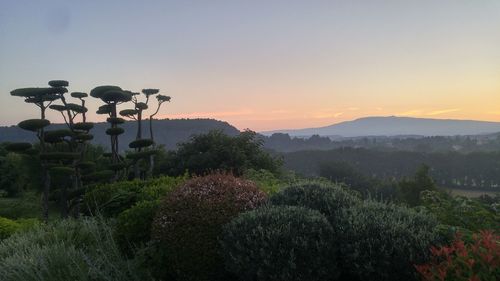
{"x":280,"y":243}
{"x":112,"y":199}
{"x":383,"y":241}
{"x":133,"y":227}
{"x":8,"y":227}
{"x":328,"y":199}
{"x":190,"y":219}
{"x":67,"y":250}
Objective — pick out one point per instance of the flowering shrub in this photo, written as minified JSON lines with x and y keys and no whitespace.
{"x":190,"y":219}
{"x":476,"y":261}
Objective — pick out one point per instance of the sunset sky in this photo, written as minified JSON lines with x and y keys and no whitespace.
{"x":262,"y":64}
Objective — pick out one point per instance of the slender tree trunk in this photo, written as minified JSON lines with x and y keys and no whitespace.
{"x":45,"y":171}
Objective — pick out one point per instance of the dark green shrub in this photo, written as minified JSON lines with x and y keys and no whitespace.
{"x":329,"y":200}
{"x":190,"y":219}
{"x":133,"y":226}
{"x":383,"y":241}
{"x":112,"y":199}
{"x":280,"y":243}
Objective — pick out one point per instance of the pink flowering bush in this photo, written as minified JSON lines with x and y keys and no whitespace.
{"x":476,"y":261}
{"x":190,"y":219}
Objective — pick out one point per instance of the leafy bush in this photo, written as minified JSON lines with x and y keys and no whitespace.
{"x":469,"y":213}
{"x":66,"y":250}
{"x":112,"y":199}
{"x":479,"y":260}
{"x":190,"y":219}
{"x":280,"y":243}
{"x":9,"y":227}
{"x":382,"y":241}
{"x":133,"y":226}
{"x":329,"y":200}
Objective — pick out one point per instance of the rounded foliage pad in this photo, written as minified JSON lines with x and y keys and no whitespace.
{"x":18,"y":146}
{"x":141,"y":143}
{"x":115,"y":120}
{"x":83,"y":126}
{"x":115,"y":131}
{"x":149,"y":92}
{"x":58,"y":83}
{"x":33,"y":124}
{"x":79,"y":95}
{"x":98,"y":92}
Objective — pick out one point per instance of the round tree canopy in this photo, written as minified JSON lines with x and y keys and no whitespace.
{"x":141,"y":106}
{"x":116,"y":96}
{"x":35,"y":92}
{"x":86,"y":165}
{"x":141,"y":155}
{"x":58,"y":107}
{"x":18,"y":146}
{"x":115,"y":120}
{"x":30,"y":151}
{"x":83,"y":126}
{"x":162,"y":98}
{"x":76,"y":108}
{"x":104,"y":109}
{"x":97,"y":92}
{"x":40,"y":99}
{"x":141,"y":143}
{"x":57,"y":135}
{"x":115,"y":131}
{"x":128,"y":112}
{"x":79,"y":95}
{"x":33,"y":124}
{"x":117,"y":166}
{"x":84,"y":137}
{"x":59,"y":156}
{"x":149,"y":92}
{"x":97,"y":176}
{"x":61,"y":171}
{"x":58,"y":83}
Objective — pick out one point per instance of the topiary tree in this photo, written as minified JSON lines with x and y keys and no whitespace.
{"x":42,"y":98}
{"x":161,"y":99}
{"x":284,"y":243}
{"x":74,"y":139}
{"x":190,"y":220}
{"x":112,"y":96}
{"x":137,"y":114}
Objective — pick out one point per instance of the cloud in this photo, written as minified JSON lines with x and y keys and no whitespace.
{"x":443,"y":111}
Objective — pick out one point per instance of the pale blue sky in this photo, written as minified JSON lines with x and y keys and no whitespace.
{"x":264,"y":64}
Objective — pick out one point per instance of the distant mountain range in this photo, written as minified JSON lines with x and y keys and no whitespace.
{"x":397,"y":126}
{"x":168,"y":132}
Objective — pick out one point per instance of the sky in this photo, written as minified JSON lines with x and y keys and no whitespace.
{"x":261,"y":64}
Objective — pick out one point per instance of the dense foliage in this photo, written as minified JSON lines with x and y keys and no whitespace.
{"x":477,"y":170}
{"x":463,"y":261}
{"x":469,"y":214}
{"x":383,"y":241}
{"x":67,"y":250}
{"x":216,"y":151}
{"x":330,"y":200}
{"x":133,"y":227}
{"x":281,"y":243}
{"x":112,"y":199}
{"x":191,"y":217}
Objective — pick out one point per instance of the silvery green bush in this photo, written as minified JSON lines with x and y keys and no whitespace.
{"x":280,"y":243}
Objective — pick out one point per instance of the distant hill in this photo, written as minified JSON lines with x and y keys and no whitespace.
{"x":168,"y":132}
{"x":397,"y":126}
